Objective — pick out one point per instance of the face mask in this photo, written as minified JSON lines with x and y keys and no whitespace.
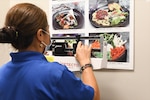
{"x":46,"y":46}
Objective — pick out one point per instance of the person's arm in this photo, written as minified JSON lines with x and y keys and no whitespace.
{"x":83,"y":55}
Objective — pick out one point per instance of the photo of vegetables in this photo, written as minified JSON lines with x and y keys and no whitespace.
{"x":117,"y":46}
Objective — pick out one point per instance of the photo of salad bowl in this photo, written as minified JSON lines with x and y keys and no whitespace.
{"x":113,"y":15}
{"x":116,"y":48}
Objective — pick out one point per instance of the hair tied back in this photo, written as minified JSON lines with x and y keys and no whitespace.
{"x":8,"y":34}
{"x":16,"y":34}
{"x":13,"y":30}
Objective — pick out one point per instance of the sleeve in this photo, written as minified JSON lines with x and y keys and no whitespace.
{"x":70,"y":87}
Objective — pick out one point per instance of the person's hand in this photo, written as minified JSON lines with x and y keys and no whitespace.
{"x":83,"y":54}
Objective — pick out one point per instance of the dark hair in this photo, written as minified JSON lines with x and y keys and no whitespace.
{"x":21,"y":25}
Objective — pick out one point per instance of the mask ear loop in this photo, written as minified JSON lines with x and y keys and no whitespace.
{"x":43,"y":43}
{"x":46,"y":46}
{"x":46,"y":32}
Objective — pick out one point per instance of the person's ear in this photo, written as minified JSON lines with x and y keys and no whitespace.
{"x":40,"y":35}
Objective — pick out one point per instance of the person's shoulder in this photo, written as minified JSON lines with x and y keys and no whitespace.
{"x":3,"y":67}
{"x":5,"y":64}
{"x":55,"y":70}
{"x":57,"y":66}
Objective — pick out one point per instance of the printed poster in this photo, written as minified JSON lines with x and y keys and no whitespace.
{"x":108,"y":25}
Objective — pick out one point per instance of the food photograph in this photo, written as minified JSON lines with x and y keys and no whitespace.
{"x":64,"y":44}
{"x":108,"y":14}
{"x":68,"y":15}
{"x":117,"y":46}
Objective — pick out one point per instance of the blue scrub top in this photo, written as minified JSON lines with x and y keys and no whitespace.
{"x":29,"y":76}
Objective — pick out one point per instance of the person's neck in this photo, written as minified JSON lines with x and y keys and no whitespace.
{"x":32,"y":48}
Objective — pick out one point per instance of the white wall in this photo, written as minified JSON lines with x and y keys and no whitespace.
{"x":131,"y":85}
{"x":4,"y":48}
{"x":44,"y":4}
{"x":118,"y":84}
{"x":3,"y":10}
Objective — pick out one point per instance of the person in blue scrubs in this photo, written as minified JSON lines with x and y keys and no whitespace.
{"x":29,"y":76}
